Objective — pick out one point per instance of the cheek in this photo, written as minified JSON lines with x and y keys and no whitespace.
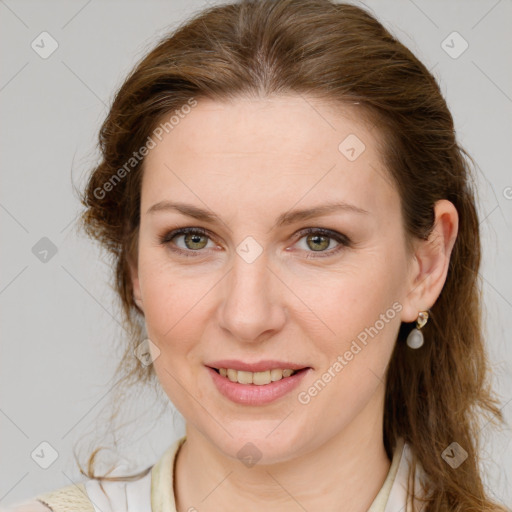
{"x":343,"y":303}
{"x":362,"y":333}
{"x":172,"y":296}
{"x":354,"y":365}
{"x":172,"y":307}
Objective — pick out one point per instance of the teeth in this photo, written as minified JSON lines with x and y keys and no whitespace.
{"x":245,"y":377}
{"x":276,"y":374}
{"x":257,"y":378}
{"x":261,"y":378}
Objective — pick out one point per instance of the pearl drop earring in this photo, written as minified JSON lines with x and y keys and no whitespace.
{"x":415,"y":338}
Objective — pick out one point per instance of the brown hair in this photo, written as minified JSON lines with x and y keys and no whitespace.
{"x":341,"y":53}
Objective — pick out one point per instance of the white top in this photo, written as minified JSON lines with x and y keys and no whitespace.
{"x":154,"y":491}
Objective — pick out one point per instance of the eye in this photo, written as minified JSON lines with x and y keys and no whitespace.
{"x":194,"y":239}
{"x":318,"y":240}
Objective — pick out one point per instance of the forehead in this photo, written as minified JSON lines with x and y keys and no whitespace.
{"x":282,"y":149}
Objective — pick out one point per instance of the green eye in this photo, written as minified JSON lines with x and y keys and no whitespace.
{"x":193,"y":241}
{"x":318,"y":242}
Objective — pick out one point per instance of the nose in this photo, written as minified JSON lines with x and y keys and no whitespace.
{"x":251,"y":309}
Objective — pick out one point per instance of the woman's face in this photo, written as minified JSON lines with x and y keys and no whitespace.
{"x":254,"y":289}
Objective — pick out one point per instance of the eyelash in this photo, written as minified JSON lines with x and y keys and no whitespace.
{"x":343,"y":240}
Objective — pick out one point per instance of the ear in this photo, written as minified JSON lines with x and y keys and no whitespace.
{"x":134,"y":276}
{"x":428,"y":271}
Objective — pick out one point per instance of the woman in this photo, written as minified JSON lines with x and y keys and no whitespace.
{"x":294,"y":232}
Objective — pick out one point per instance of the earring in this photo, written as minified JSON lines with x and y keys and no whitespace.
{"x":415,"y":338}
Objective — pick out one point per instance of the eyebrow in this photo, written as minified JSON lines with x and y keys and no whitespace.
{"x":286,"y":218}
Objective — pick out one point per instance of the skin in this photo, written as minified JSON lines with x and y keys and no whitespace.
{"x":249,"y":161}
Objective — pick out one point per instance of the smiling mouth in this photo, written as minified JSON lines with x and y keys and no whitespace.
{"x":257,"y":378}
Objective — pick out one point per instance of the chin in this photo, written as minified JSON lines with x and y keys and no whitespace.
{"x":255,"y":445}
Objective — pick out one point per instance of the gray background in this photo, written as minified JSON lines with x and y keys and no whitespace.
{"x":60,"y":332}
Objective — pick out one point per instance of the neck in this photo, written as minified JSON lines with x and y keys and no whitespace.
{"x":348,"y":469}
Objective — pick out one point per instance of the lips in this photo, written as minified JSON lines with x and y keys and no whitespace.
{"x":249,"y":383}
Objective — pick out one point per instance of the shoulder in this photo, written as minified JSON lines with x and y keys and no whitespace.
{"x":138,"y":493}
{"x":71,"y":497}
{"x":123,"y":495}
{"x":31,"y":505}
